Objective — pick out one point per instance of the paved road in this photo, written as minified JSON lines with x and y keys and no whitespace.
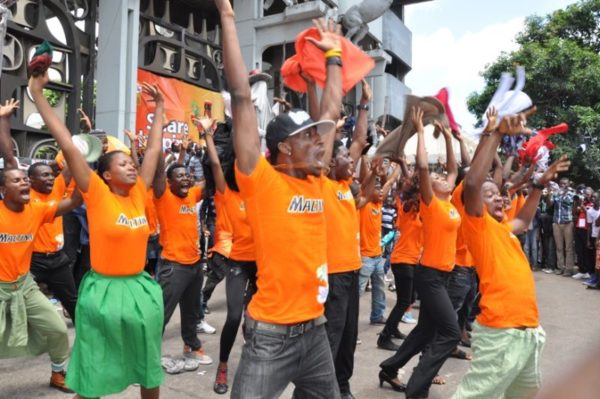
{"x":569,"y":315}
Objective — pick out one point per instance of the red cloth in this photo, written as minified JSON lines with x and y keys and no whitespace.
{"x":529,"y":149}
{"x":443,"y":96}
{"x":308,"y":58}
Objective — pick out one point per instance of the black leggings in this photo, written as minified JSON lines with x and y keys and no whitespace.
{"x":403,"y":278}
{"x":239,"y":287}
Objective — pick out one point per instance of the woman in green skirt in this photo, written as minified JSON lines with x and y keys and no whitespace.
{"x":119,"y":315}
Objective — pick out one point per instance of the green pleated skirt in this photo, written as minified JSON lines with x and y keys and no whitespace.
{"x":118,"y":328}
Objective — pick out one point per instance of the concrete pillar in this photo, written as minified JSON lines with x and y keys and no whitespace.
{"x":117,"y":65}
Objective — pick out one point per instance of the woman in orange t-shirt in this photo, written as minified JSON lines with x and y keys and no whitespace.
{"x":405,"y":256}
{"x":116,"y":296}
{"x":437,"y":326}
{"x":241,"y":276}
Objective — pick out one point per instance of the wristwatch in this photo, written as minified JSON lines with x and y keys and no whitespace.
{"x":364,"y":107}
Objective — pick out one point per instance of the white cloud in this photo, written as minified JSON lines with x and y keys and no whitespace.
{"x":442,"y":59}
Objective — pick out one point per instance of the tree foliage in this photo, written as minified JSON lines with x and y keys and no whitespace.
{"x":560,"y":53}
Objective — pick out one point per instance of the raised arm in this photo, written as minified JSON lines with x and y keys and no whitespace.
{"x":6,"y":145}
{"x":159,"y":180}
{"x":313,"y":99}
{"x":79,"y":167}
{"x":331,"y":102}
{"x":68,"y":204}
{"x":183,"y":150}
{"x":133,"y":146}
{"x":451,"y":166}
{"x":421,"y":163}
{"x":391,"y":179}
{"x":154,"y":146}
{"x":521,"y":222}
{"x":465,"y":158}
{"x":368,"y":184}
{"x":205,"y":126}
{"x":246,"y":141}
{"x":482,"y":162}
{"x":359,"y":137}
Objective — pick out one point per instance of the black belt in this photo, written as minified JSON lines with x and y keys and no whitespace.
{"x":292,"y":330}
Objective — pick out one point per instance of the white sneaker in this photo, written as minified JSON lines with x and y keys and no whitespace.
{"x":549,"y":271}
{"x":581,"y":276}
{"x":204,"y":328}
{"x":198,"y":355}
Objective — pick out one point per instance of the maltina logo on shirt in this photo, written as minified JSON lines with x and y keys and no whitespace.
{"x":374,"y":211}
{"x":344,"y":196}
{"x":6,"y":238}
{"x":187,"y":210}
{"x":299,"y":204}
{"x":453,"y":214}
{"x":132,"y":223}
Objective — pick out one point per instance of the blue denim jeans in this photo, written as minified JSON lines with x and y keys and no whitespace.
{"x":372,"y":268}
{"x":531,"y":247}
{"x":270,"y":361}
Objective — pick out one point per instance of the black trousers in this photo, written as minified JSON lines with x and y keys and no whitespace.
{"x":462,"y":288}
{"x":182,"y":284}
{"x":436,"y":333}
{"x":83,"y":264}
{"x":581,"y":238}
{"x":240,"y":285}
{"x":341,"y":311}
{"x":218,"y":267}
{"x":54,"y":270}
{"x":71,"y":233}
{"x":548,"y":244}
{"x":590,"y":257}
{"x":403,"y":278}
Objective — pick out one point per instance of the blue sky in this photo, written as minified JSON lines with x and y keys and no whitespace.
{"x":453,"y":40}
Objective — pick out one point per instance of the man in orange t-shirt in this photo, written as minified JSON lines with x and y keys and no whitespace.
{"x":508,"y":326}
{"x":180,"y":273}
{"x":286,"y":340}
{"x":343,"y":249}
{"x":49,"y":263}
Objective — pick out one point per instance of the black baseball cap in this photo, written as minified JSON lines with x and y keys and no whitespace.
{"x":290,"y":123}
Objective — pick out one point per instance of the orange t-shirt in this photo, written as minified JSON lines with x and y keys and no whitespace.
{"x":150,"y":210}
{"x":440,"y":226}
{"x":223,"y":237}
{"x":343,"y":238}
{"x":17,"y":232}
{"x":118,"y":228}
{"x":50,"y":235}
{"x":370,"y":229}
{"x":506,"y":283}
{"x":288,"y":225}
{"x":516,"y":204}
{"x":178,"y":220}
{"x":409,"y":246}
{"x":463,"y":256}
{"x":242,"y":248}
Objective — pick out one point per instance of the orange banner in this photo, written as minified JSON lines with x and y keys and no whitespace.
{"x":182,"y":100}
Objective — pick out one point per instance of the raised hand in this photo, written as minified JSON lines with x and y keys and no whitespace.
{"x":417,"y":119}
{"x":561,"y":165}
{"x":8,"y":108}
{"x":37,"y":83}
{"x":330,"y":33}
{"x":85,"y":119}
{"x":515,"y":125}
{"x":153,"y":92}
{"x":443,"y":129}
{"x":492,"y":120}
{"x":307,"y":78}
{"x":129,"y":134}
{"x":367,"y":93}
{"x":204,"y":124}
